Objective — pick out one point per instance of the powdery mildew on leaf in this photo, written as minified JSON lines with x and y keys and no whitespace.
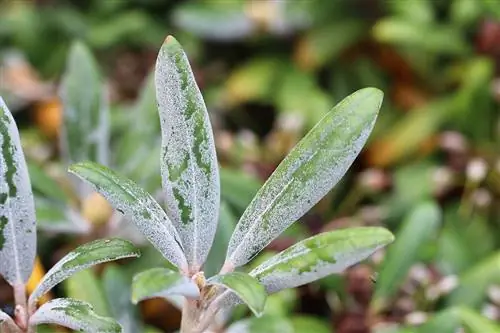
{"x":131,"y":200}
{"x":74,"y":314}
{"x":162,"y":282}
{"x":246,"y":287}
{"x":85,"y":134}
{"x":85,"y":256}
{"x":319,"y":256}
{"x":7,"y":323}
{"x":311,"y":169}
{"x":17,"y":209}
{"x":190,"y":173}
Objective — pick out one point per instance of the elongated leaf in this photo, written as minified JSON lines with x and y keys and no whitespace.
{"x":85,"y":286}
{"x":85,"y":256}
{"x":162,"y":282}
{"x":420,"y":225}
{"x":117,"y":289}
{"x":85,"y":111}
{"x":73,"y":314}
{"x":306,"y":324}
{"x":319,"y":256}
{"x":268,"y":324}
{"x":7,"y":323}
{"x":138,"y":205}
{"x":248,"y":289}
{"x":311,"y":169}
{"x":474,"y":282}
{"x":190,"y":173}
{"x":54,"y":217}
{"x":44,"y":184}
{"x":474,"y":322}
{"x":17,"y":209}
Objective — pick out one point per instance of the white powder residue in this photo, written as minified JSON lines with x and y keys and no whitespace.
{"x":74,"y":314}
{"x":307,"y":174}
{"x":140,"y":207}
{"x":17,"y":212}
{"x":190,"y":174}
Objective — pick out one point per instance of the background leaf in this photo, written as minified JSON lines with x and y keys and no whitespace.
{"x":420,"y":225}
{"x":85,"y":131}
{"x":117,"y":287}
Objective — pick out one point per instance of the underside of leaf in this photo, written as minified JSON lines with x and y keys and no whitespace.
{"x":162,"y":282}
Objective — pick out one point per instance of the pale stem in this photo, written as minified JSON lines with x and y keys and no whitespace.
{"x":190,"y":316}
{"x":210,"y":312}
{"x":21,"y":312}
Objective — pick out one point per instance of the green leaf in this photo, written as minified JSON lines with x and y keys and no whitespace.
{"x":130,"y":199}
{"x":445,"y":321}
{"x":418,"y":228}
{"x":85,"y":286}
{"x":306,"y":324}
{"x":474,"y":282}
{"x":73,"y":314}
{"x":213,"y":20}
{"x":117,"y":288}
{"x":162,"y":282}
{"x":268,"y":324}
{"x":84,"y":256}
{"x":17,"y":209}
{"x":319,"y":256}
{"x":247,"y":288}
{"x":238,"y":188}
{"x":55,"y":217}
{"x":189,"y":168}
{"x":84,"y":133}
{"x":44,"y":184}
{"x":307,"y":174}
{"x":474,"y":322}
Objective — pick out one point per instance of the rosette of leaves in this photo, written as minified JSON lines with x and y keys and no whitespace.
{"x":184,"y":233}
{"x":18,"y":250}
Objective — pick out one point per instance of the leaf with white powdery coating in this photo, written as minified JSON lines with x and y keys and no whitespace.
{"x":17,"y":208}
{"x":7,"y":323}
{"x":247,"y":288}
{"x":162,"y":282}
{"x":85,"y":133}
{"x":319,"y":256}
{"x":190,"y":172}
{"x":130,"y":199}
{"x":85,"y":256}
{"x":309,"y":171}
{"x":73,"y":314}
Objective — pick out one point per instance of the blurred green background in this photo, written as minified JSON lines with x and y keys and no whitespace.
{"x":269,"y":70}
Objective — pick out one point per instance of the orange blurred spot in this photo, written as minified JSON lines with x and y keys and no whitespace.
{"x":36,"y":276}
{"x":48,"y":117}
